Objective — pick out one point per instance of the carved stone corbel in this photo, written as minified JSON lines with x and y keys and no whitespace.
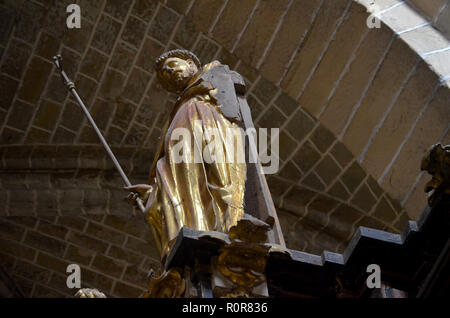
{"x":437,"y":164}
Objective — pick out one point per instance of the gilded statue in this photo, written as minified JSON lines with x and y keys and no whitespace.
{"x":197,"y":192}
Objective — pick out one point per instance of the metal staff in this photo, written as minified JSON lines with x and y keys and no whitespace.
{"x":71,"y":87}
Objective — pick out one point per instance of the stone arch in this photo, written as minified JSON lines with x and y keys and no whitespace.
{"x":291,"y":53}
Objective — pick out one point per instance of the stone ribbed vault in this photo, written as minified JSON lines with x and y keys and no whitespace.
{"x":357,"y":108}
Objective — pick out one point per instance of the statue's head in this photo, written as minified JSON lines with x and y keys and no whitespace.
{"x":175,"y":68}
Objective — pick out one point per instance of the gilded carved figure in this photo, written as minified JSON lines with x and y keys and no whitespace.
{"x":199,"y":194}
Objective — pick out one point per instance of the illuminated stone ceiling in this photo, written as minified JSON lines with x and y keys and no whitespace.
{"x":356,"y":107}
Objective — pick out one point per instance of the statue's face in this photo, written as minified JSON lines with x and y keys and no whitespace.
{"x":177,"y":72}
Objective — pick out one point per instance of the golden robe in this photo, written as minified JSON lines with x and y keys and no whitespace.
{"x":206,"y":196}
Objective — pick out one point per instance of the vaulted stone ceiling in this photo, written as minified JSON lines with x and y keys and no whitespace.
{"x":357,"y":108}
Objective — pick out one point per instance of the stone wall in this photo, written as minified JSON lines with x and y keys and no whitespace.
{"x":356,"y":107}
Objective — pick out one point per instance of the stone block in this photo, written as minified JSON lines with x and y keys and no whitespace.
{"x":163,"y":24}
{"x":112,"y":84}
{"x":374,"y":186}
{"x":290,"y":172}
{"x":7,"y":16}
{"x":400,"y":120}
{"x":179,"y":6}
{"x":63,"y":136}
{"x":136,"y":85}
{"x":126,"y":291}
{"x":205,"y":50}
{"x":26,"y":285}
{"x":45,"y":243}
{"x":134,"y":32}
{"x":124,"y":114}
{"x":370,"y":222}
{"x":442,"y":20}
{"x":439,"y":63}
{"x":30,"y":19}
{"x":47,"y":203}
{"x":204,"y":12}
{"x":306,"y":156}
{"x":145,"y":9}
{"x":286,"y":104}
{"x":135,"y":276}
{"x":94,"y":64}
{"x":353,"y":176}
{"x":79,"y":255}
{"x":312,"y":181}
{"x":123,"y":56}
{"x":342,"y":155}
{"x":47,"y":115}
{"x":425,"y":39}
{"x":96,"y":280}
{"x":186,"y":33}
{"x":78,"y":39}
{"x":136,"y":135}
{"x":20,"y":115}
{"x":124,"y":255}
{"x":291,"y":33}
{"x":32,"y":272}
{"x":72,"y":222}
{"x":272,"y":118}
{"x":41,"y":291}
{"x":327,"y":169}
{"x":133,"y":226}
{"x":256,"y":108}
{"x":429,"y":129}
{"x":52,"y":229}
{"x":56,"y":90}
{"x":338,"y":191}
{"x":51,"y":262}
{"x":326,"y":22}
{"x":117,"y":8}
{"x":34,"y":81}
{"x":105,"y":233}
{"x":333,"y":64}
{"x":108,"y":265}
{"x":352,"y":86}
{"x":105,"y":34}
{"x":72,"y":116}
{"x":402,"y":18}
{"x":85,"y":241}
{"x":17,"y":250}
{"x":148,"y":55}
{"x":363,"y":199}
{"x":322,"y":138}
{"x":115,"y":135}
{"x":43,"y":157}
{"x":383,"y":211}
{"x":265,"y":90}
{"x":402,"y":222}
{"x":15,"y":60}
{"x":47,"y":46}
{"x":37,"y":136}
{"x":286,"y":146}
{"x":389,"y":79}
{"x":141,"y":247}
{"x":259,"y":31}
{"x":278,"y":187}
{"x":297,"y":197}
{"x":430,"y":8}
{"x":8,"y":88}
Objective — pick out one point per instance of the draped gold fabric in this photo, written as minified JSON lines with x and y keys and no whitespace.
{"x":201,"y":195}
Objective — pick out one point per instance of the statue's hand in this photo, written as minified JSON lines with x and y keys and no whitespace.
{"x":141,"y":191}
{"x":89,"y":293}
